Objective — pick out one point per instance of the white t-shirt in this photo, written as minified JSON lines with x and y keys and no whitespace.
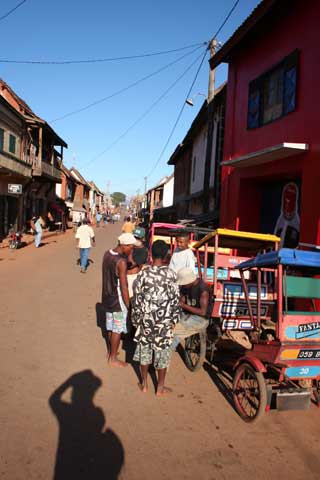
{"x":85,"y":234}
{"x":182,"y":259}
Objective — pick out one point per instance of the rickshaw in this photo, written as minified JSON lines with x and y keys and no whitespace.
{"x":282,"y":367}
{"x":272,"y":300}
{"x":218,"y":254}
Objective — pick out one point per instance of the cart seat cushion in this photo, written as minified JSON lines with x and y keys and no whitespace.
{"x":190,"y":325}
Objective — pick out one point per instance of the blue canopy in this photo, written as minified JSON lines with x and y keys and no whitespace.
{"x":285,"y":256}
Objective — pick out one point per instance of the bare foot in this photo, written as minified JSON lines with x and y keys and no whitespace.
{"x":163,"y":391}
{"x":117,"y":363}
{"x":143,"y":388}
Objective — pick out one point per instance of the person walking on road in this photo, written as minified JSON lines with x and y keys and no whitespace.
{"x":98,"y":218}
{"x":36,"y":225}
{"x":128,"y":226}
{"x":155,"y":311}
{"x":115,"y":294}
{"x":85,"y":237}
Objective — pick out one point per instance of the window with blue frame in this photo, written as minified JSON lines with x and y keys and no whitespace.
{"x":273,"y":95}
{"x":1,"y":138}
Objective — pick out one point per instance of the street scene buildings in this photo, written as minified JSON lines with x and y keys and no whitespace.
{"x":159,"y":313}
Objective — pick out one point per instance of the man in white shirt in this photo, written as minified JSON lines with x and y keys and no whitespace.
{"x":183,"y":256}
{"x":85,"y":236}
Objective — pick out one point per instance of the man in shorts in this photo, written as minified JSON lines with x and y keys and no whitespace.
{"x":155,"y":311}
{"x":115,"y":295}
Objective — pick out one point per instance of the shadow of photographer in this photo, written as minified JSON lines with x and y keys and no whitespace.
{"x":85,"y":450}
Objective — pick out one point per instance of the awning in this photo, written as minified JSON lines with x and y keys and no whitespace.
{"x":270,"y":154}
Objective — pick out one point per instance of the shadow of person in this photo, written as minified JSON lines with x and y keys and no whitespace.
{"x":85,"y":450}
{"x":101,"y":323}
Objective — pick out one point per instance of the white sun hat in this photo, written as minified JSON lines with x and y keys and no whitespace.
{"x":127,"y":239}
{"x":185,"y":276}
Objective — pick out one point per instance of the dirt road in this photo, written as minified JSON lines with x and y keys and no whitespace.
{"x":49,"y":339}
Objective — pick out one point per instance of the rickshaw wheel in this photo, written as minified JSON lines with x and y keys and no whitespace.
{"x":249,"y":393}
{"x":195,"y":350}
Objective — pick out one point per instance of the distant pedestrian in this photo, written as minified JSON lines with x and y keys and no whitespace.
{"x":36,"y":225}
{"x":155,"y":311}
{"x":115,"y":295}
{"x":85,"y":237}
{"x":98,"y":218}
{"x":128,"y":226}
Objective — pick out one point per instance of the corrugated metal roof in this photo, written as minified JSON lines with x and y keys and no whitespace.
{"x":258,"y":14}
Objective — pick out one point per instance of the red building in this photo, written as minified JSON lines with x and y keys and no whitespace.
{"x":271,"y":163}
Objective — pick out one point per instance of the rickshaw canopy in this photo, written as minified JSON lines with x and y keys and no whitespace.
{"x":236,"y":239}
{"x":284,"y":256}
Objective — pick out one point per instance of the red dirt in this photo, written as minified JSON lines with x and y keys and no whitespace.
{"x":49,"y":333}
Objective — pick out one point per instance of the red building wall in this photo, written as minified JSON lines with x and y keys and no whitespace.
{"x":242,"y":188}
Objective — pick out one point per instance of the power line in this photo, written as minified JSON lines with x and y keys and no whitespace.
{"x":195,"y":78}
{"x":179,"y":115}
{"x":12,"y":10}
{"x":149,"y":109}
{"x":226,"y":19}
{"x":101,"y":60}
{"x":124,"y":89}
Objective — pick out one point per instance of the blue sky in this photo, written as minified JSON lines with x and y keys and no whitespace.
{"x":74,"y":29}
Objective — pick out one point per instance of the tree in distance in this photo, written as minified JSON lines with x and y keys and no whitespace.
{"x":117,"y":198}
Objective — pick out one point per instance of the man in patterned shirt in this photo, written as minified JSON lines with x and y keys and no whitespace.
{"x":154,"y":314}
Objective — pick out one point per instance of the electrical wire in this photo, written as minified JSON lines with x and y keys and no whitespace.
{"x":12,"y":10}
{"x":101,"y":60}
{"x":141,"y":117}
{"x":124,"y":89}
{"x":226,"y":19}
{"x":179,"y":115}
{"x":190,"y":89}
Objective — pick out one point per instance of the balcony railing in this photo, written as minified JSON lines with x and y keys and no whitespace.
{"x":41,"y":168}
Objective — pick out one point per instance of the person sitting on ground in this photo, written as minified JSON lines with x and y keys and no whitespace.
{"x":115,"y":294}
{"x":155,"y":311}
{"x":139,"y":260}
{"x":183,"y":256}
{"x":196,"y":305}
{"x":128,"y":226}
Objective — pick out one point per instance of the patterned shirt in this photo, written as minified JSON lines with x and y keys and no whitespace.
{"x":155,"y":306}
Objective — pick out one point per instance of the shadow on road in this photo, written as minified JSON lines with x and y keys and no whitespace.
{"x":222,"y":380}
{"x":85,"y":450}
{"x":101,"y":323}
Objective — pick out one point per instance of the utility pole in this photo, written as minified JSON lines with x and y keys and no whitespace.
{"x":210,"y":116}
{"x":212,"y":73}
{"x":145,"y":185}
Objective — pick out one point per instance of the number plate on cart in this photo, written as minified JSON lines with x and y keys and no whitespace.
{"x":309,"y":354}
